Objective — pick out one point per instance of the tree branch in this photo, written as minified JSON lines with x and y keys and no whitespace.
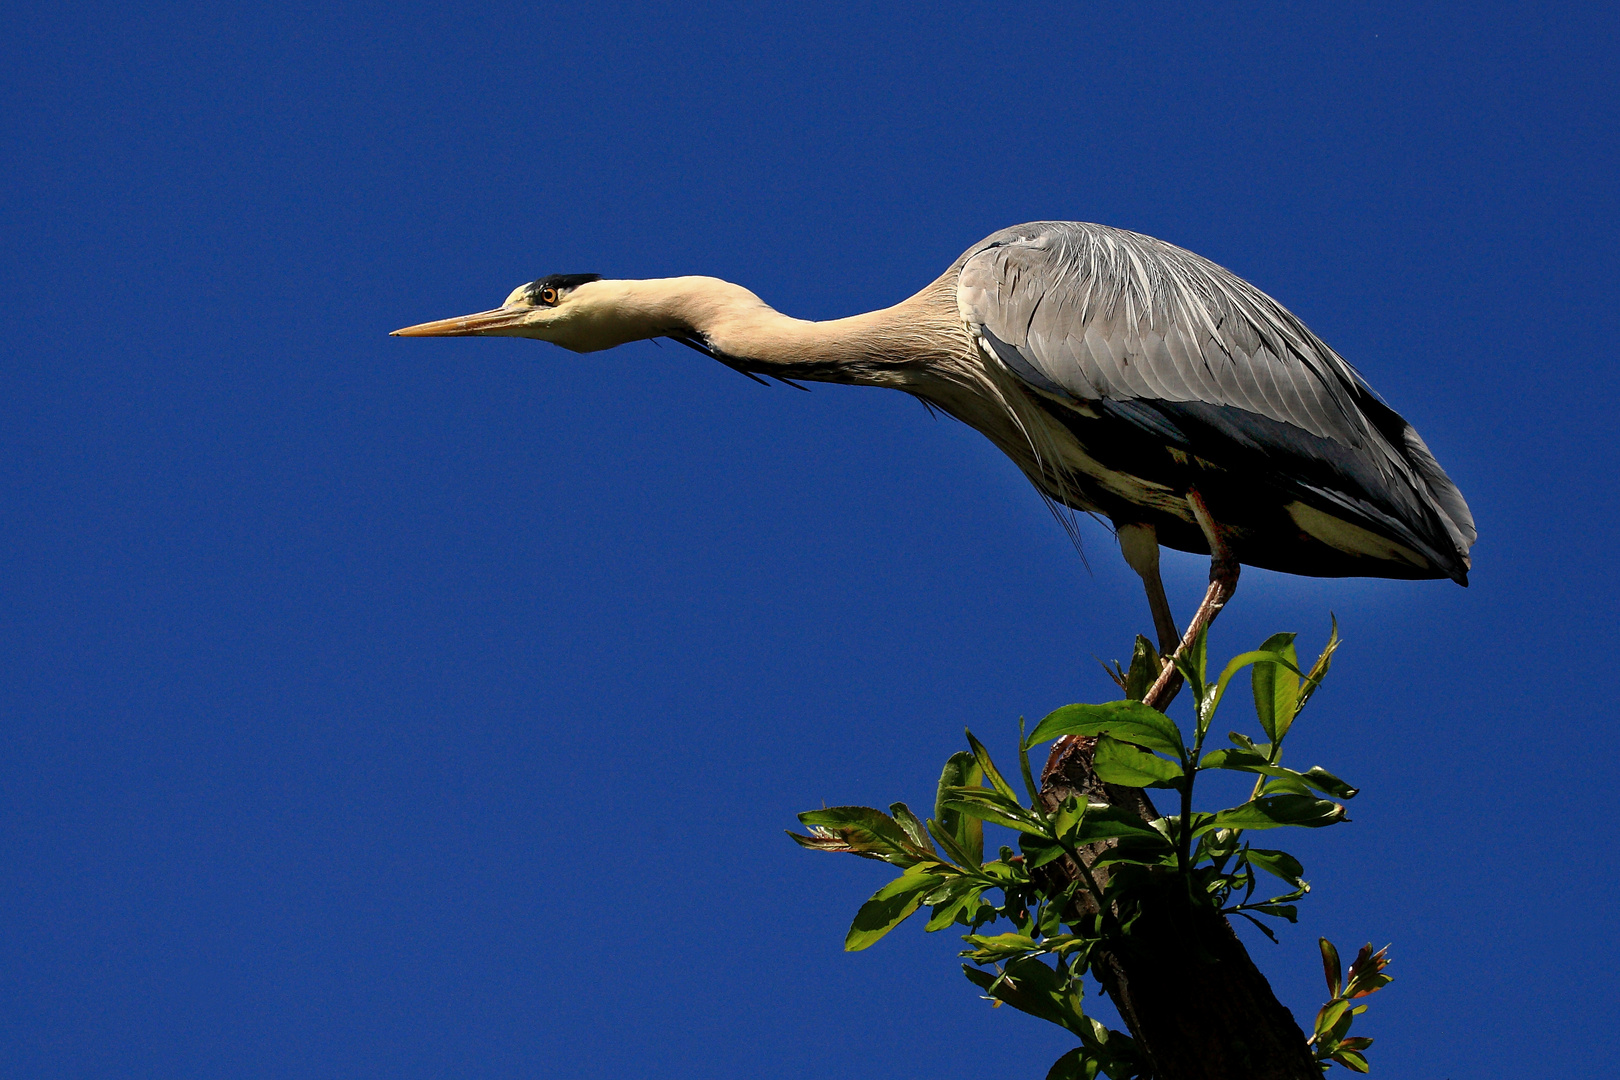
{"x":1181,"y":980}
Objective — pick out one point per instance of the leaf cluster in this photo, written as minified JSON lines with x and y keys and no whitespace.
{"x":1060,"y":921}
{"x":1331,"y":1039}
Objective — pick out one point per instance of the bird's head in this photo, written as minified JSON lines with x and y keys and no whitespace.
{"x":576,"y":311}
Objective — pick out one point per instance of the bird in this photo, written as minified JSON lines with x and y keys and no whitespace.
{"x":1128,"y":378}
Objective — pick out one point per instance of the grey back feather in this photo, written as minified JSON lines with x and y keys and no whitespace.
{"x":1091,"y":314}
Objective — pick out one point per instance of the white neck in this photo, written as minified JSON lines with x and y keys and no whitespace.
{"x":873,"y":349}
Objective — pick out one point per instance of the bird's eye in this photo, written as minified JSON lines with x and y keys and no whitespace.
{"x":548,"y":296}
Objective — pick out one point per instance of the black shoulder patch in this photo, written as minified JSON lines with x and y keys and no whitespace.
{"x":560,"y":282}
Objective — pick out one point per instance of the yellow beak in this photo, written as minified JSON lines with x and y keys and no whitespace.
{"x":500,"y":322}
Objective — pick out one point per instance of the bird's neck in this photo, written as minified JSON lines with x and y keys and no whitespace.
{"x":877,"y":348}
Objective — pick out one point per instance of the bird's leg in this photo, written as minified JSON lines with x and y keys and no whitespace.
{"x":1223,"y":576}
{"x":1140,"y":546}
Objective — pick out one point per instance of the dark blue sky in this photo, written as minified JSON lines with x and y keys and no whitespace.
{"x":411,"y":709}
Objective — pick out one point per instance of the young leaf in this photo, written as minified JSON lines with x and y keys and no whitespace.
{"x":1030,"y":789}
{"x":961,"y":770}
{"x":1130,"y":721}
{"x":1276,"y":689}
{"x":1114,"y":672}
{"x":888,"y":908}
{"x":982,"y":756}
{"x":1145,"y":668}
{"x":1331,"y":967}
{"x":952,"y":850}
{"x":994,"y":947}
{"x":1319,"y":670}
{"x":1120,"y":763}
{"x":984,"y":805}
{"x":1366,"y":972}
{"x":860,"y":830}
{"x":915,"y":831}
{"x":1238,"y":739}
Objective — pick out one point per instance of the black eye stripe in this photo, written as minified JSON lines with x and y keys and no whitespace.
{"x":561,"y":283}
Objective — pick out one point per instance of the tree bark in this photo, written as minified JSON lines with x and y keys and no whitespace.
{"x":1183,"y":983}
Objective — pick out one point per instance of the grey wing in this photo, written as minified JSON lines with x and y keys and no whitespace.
{"x":1141,"y":331}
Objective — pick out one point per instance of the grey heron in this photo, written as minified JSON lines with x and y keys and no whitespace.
{"x":1128,"y":378}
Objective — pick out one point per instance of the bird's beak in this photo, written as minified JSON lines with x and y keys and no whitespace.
{"x":501,"y":322}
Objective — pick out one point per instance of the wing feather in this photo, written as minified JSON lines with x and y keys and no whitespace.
{"x":1190,"y":353}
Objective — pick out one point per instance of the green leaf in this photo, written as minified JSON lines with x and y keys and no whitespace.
{"x":1030,"y":789}
{"x":1279,"y":863}
{"x":1104,"y":822}
{"x":1351,"y":1060}
{"x":1271,"y":811}
{"x":915,"y":831}
{"x":1331,"y":967}
{"x":863,"y":831}
{"x":1262,"y":927}
{"x":888,"y":908}
{"x":1324,"y":781}
{"x":1212,"y":700}
{"x":1129,"y":721}
{"x":961,"y":770}
{"x":1038,"y":850}
{"x":1120,"y":763}
{"x":995,"y":947}
{"x":1330,"y":1014}
{"x":981,"y":804}
{"x":1237,"y":757}
{"x":1005,"y":872}
{"x":1237,"y":738}
{"x":982,"y":756}
{"x":1145,"y":668}
{"x":1288,"y":783}
{"x":1276,"y":689}
{"x":962,"y":898}
{"x":1069,"y":815}
{"x":1033,"y":987}
{"x":1130,"y":852}
{"x":956,"y":854}
{"x":1052,"y":914}
{"x":1242,"y":759}
{"x":1075,"y":1065}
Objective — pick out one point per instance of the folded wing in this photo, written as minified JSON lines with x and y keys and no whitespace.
{"x":1119,"y":325}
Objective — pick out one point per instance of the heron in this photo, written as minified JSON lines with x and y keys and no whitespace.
{"x":1127,"y":378}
